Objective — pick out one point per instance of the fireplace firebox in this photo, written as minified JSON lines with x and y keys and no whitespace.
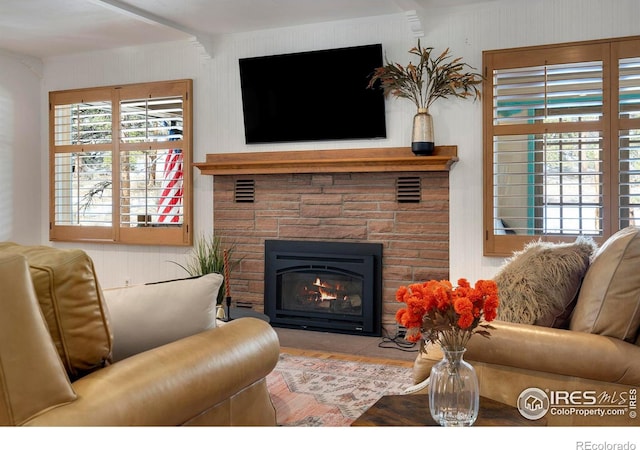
{"x":324,"y":286}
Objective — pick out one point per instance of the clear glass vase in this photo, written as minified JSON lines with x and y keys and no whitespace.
{"x":454,"y":394}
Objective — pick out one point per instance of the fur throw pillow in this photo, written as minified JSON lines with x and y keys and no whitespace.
{"x":539,"y":285}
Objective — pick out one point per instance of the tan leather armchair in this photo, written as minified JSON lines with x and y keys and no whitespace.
{"x":521,"y":356}
{"x":216,"y":377}
{"x":598,"y":355}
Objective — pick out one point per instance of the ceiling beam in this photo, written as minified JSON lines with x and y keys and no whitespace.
{"x":415,"y":23}
{"x":412,"y":10}
{"x":204,"y":42}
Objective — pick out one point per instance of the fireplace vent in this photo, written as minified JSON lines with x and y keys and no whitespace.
{"x":245,"y":191}
{"x":408,"y":190}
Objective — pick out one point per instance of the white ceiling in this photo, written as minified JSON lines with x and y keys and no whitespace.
{"x":43,"y":28}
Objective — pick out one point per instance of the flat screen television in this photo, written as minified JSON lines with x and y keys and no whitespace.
{"x":312,"y":96}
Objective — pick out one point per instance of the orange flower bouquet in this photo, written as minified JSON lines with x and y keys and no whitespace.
{"x":440,"y":313}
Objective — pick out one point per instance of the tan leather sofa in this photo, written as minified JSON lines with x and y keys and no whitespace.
{"x":55,"y":357}
{"x":598,"y":355}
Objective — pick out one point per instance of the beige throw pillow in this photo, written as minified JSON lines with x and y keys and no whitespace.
{"x":609,"y":301}
{"x":539,"y":285}
{"x":147,"y":316}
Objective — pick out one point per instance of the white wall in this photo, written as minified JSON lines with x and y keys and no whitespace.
{"x":20,"y":148}
{"x":218,"y":112}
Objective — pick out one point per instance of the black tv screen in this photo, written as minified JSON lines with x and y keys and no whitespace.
{"x":311,"y":96}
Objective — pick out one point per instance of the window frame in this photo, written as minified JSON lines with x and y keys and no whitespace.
{"x":118,"y":233}
{"x":609,"y":51}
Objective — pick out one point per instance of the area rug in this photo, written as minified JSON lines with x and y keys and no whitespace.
{"x":317,"y":392}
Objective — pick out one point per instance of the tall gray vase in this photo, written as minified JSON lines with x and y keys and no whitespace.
{"x":422,"y":134}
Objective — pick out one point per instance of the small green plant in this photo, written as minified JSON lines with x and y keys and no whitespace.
{"x":207,"y":256}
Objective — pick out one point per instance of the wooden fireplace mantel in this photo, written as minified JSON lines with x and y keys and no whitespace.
{"x":390,"y":159}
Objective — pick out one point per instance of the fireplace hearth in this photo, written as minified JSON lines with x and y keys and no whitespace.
{"x":324,"y":286}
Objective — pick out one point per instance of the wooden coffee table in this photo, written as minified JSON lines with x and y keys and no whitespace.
{"x":413,"y":410}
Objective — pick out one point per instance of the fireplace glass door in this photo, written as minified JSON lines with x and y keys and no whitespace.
{"x":321,"y":290}
{"x":323,"y":286}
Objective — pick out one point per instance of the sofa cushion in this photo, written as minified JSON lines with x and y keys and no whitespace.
{"x":149,"y":315}
{"x":539,"y":284}
{"x":72,"y":304}
{"x":609,"y":301}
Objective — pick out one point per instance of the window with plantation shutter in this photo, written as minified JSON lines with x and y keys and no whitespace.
{"x":561,"y":142}
{"x":120,"y":160}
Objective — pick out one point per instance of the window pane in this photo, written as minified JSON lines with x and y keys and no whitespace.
{"x":83,"y":189}
{"x":629,"y":181}
{"x":548,"y":183}
{"x":629,"y":80}
{"x":83,"y":123}
{"x":536,"y":94}
{"x":151,"y":120}
{"x":151,"y":188}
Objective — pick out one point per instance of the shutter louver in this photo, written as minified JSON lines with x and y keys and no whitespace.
{"x":151,"y":119}
{"x":548,"y":177}
{"x":629,"y":143}
{"x":83,"y":174}
{"x":537,"y":94}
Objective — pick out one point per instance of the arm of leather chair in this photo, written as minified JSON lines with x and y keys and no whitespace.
{"x":564,"y":352}
{"x":173,"y":383}
{"x":551,"y":350}
{"x":32,"y":377}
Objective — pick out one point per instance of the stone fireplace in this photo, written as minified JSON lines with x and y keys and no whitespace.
{"x":386,"y":197}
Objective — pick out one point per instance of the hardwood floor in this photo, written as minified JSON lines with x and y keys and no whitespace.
{"x":375,"y":350}
{"x":347,"y":357}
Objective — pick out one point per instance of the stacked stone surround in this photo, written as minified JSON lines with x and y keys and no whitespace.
{"x":347,"y":207}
